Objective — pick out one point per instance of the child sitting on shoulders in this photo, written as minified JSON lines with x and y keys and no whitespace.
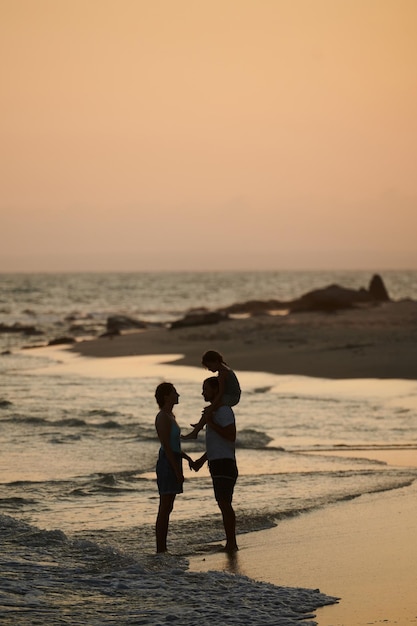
{"x":229,"y":388}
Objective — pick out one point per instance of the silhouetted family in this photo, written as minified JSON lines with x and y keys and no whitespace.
{"x":222,"y":392}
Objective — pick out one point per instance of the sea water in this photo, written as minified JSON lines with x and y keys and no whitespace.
{"x":79,"y":445}
{"x":78,"y":439}
{"x":79,"y":449}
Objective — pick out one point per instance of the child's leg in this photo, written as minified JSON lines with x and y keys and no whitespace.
{"x":200,"y":424}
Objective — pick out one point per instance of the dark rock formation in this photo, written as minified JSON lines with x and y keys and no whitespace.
{"x":200,"y":319}
{"x":378,"y":290}
{"x":20,"y":328}
{"x":254,"y":307}
{"x":334,"y":297}
{"x":123,"y":322}
{"x":330,"y":298}
{"x":61,"y":340}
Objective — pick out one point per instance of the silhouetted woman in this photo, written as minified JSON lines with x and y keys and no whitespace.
{"x":169,"y":473}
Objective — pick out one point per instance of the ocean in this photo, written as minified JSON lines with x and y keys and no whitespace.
{"x":79,"y":446}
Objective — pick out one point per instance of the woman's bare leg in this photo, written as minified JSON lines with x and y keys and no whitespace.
{"x":166,"y":504}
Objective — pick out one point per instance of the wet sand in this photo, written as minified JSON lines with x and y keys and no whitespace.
{"x":363,"y":551}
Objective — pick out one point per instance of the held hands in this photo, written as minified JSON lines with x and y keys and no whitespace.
{"x":198,"y":464}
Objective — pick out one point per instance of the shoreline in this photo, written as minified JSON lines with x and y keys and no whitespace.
{"x":377,"y":342}
{"x":362,"y":551}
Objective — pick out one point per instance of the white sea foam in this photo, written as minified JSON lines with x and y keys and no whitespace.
{"x":50,"y":579}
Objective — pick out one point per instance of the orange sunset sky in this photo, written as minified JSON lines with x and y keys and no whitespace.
{"x":208,"y":134}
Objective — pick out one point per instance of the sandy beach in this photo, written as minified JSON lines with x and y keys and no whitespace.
{"x":363,"y":551}
{"x":375,"y":342}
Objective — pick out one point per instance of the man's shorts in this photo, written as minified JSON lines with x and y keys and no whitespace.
{"x":165,"y":475}
{"x":224,"y":475}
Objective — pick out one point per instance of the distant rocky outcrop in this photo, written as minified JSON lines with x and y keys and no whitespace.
{"x":255,"y":307}
{"x":335,"y":297}
{"x":378,"y":290}
{"x":200,"y":318}
{"x":329,"y":299}
{"x":20,"y":328}
{"x":117,"y":323}
{"x":61,"y":341}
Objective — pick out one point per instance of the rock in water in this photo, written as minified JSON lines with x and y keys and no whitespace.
{"x":378,"y":290}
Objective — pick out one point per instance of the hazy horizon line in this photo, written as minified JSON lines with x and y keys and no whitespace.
{"x":213,"y":271}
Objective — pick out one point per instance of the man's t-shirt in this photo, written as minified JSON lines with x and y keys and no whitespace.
{"x":217,"y":447}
